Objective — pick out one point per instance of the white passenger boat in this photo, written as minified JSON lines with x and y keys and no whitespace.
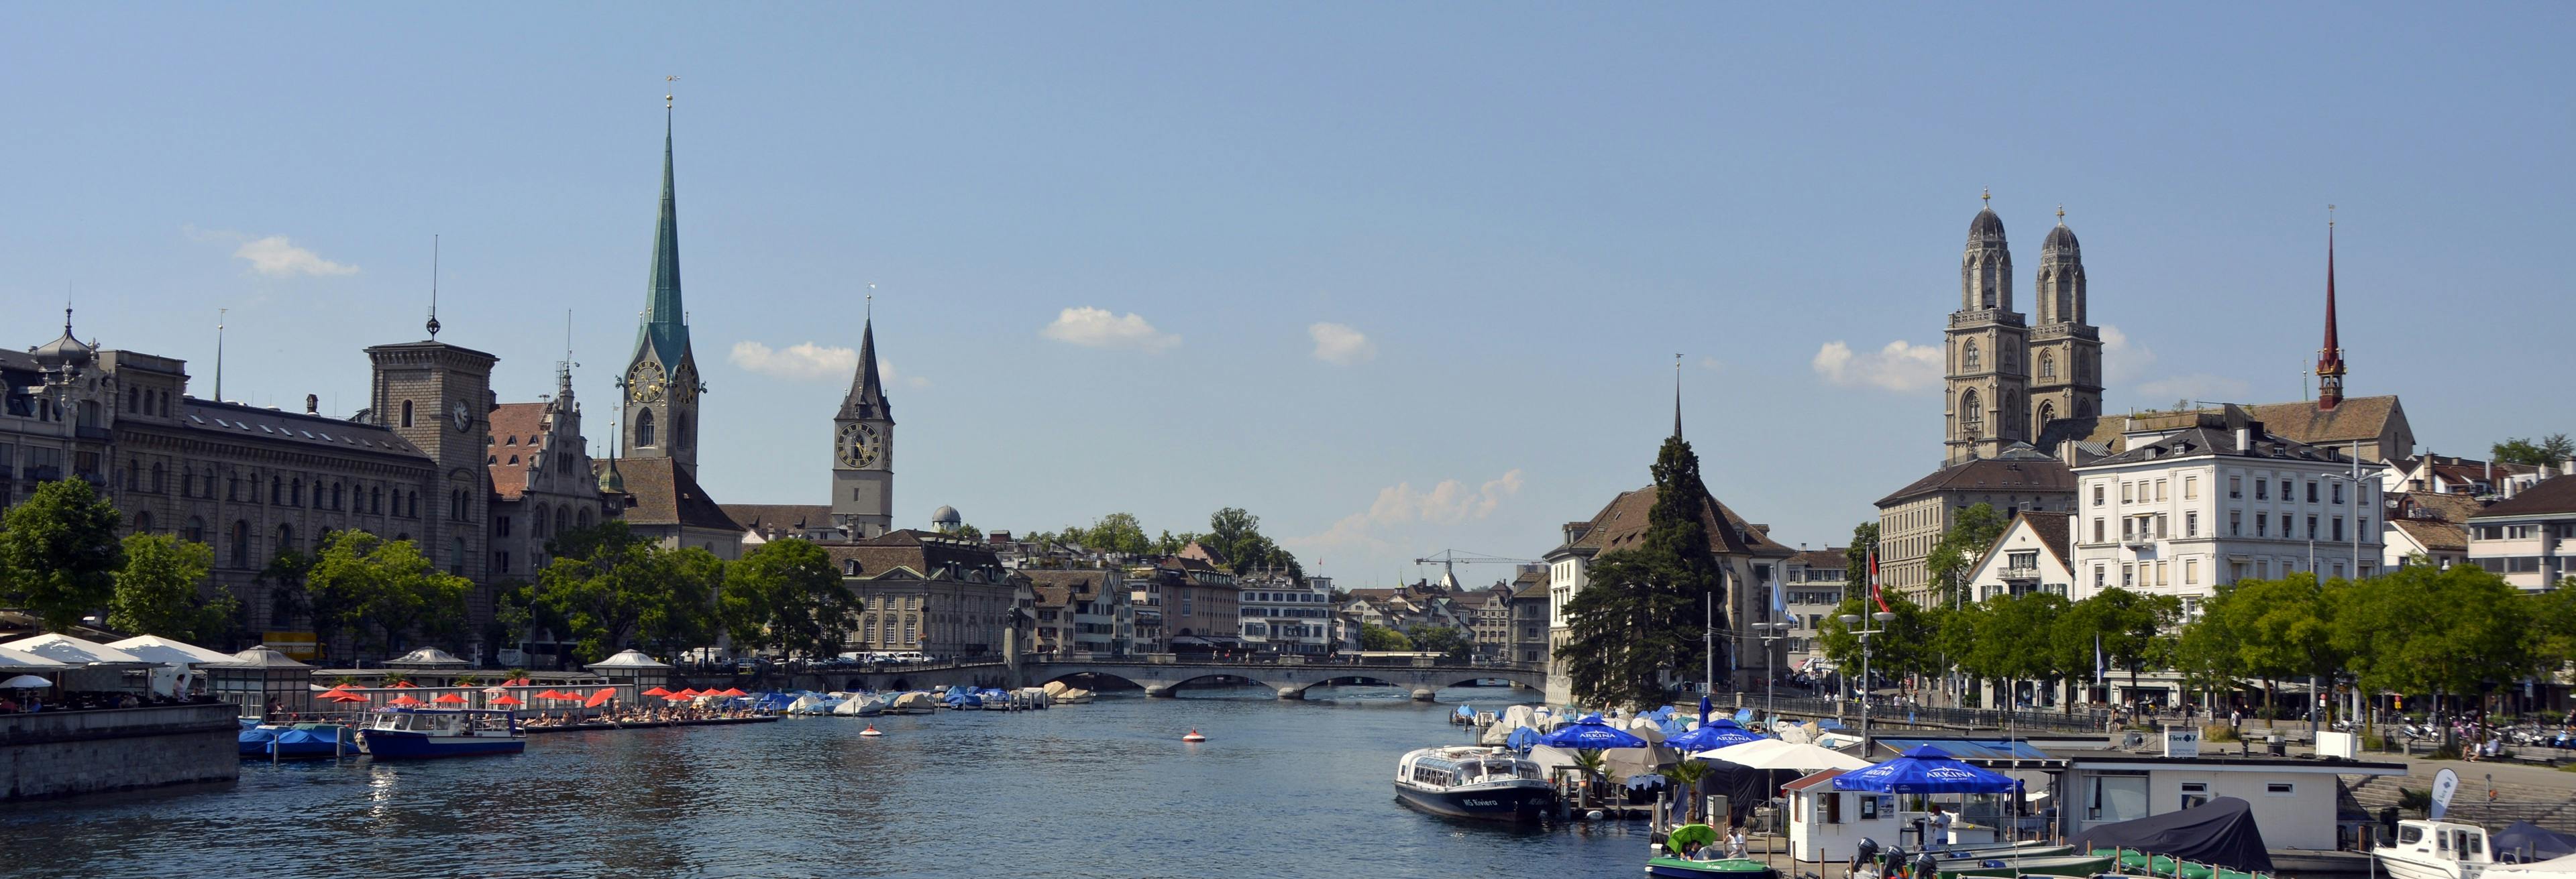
{"x":1474,"y":782}
{"x":405,"y":734}
{"x":2451,"y":850}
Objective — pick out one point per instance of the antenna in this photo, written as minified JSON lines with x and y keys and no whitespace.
{"x":433,"y":287}
{"x":219,"y":353}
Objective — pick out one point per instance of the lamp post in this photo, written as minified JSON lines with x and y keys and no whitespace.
{"x":1851,"y":619}
{"x":1771,"y":673}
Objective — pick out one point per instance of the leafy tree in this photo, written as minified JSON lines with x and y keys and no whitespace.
{"x":384,"y":590}
{"x":613,"y":589}
{"x":2552,"y":614}
{"x":2282,"y":628}
{"x":1375,"y":637}
{"x":1444,"y":640}
{"x":1237,"y":534}
{"x":2206,"y":653}
{"x":1641,"y":620}
{"x":684,"y":616}
{"x":156,"y":591}
{"x":2017,"y":638}
{"x":786,"y":596}
{"x":60,"y":552}
{"x":285,"y":576}
{"x":1686,"y":776}
{"x":1960,"y":547}
{"x":2450,"y":631}
{"x":2547,"y":452}
{"x":1906,"y":645}
{"x":1116,"y":532}
{"x":2133,"y":627}
{"x":967,"y":531}
{"x":1864,"y":540}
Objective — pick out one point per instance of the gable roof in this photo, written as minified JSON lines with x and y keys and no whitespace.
{"x":2549,"y":497}
{"x":233,"y":421}
{"x":2356,"y":418}
{"x":2447,"y":506}
{"x":1828,"y":557}
{"x":2054,"y":532}
{"x":518,"y":434}
{"x":2433,"y":534}
{"x":665,"y":494}
{"x":2020,"y":470}
{"x":1622,"y":524}
{"x":772,"y":520}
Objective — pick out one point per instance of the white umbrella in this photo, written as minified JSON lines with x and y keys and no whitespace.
{"x":20,"y":660}
{"x":25,"y":682}
{"x":154,"y":648}
{"x":1776,"y":754}
{"x":67,"y":649}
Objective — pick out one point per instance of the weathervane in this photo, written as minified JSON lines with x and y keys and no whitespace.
{"x":666,"y":97}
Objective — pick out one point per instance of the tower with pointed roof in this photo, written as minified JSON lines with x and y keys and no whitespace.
{"x":863,"y":448}
{"x":1986,"y":396}
{"x":2065,"y":351}
{"x":661,"y":385}
{"x":2330,"y":355}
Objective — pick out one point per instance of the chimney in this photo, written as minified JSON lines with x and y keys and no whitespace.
{"x":2244,"y":439}
{"x":312,"y":404}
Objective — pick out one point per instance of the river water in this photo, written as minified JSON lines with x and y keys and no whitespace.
{"x":1284,"y":789}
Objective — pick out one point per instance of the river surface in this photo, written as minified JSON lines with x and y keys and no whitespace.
{"x":1280,"y":789}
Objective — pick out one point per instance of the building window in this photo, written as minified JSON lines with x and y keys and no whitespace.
{"x":285,"y":538}
{"x":2047,"y":365}
{"x":2097,"y":529}
{"x":644,"y":428}
{"x":2262,"y":523}
{"x":2312,"y":526}
{"x":2191,"y":488}
{"x":1972,"y":419}
{"x":2235,"y":523}
{"x":2338,"y":492}
{"x":241,"y":544}
{"x":501,"y":528}
{"x":1969,"y":358}
{"x":2160,"y":490}
{"x":2312,"y":491}
{"x":2191,"y":524}
{"x":2338,"y":529}
{"x":2097,"y":494}
{"x":2262,"y":490}
{"x":196,"y":532}
{"x":2125,"y":496}
{"x":2128,"y":575}
{"x":406,"y":415}
{"x":2191,"y":572}
{"x":2236,"y":487}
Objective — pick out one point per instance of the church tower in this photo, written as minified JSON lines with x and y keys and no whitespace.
{"x":661,"y":383}
{"x":2330,"y":357}
{"x":1988,"y":386}
{"x":2065,"y":351}
{"x":863,"y":449}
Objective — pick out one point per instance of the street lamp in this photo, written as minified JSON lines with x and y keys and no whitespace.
{"x":1852,"y":619}
{"x":1770,"y":672}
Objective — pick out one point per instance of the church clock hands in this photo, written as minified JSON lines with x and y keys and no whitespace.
{"x":859,"y":445}
{"x":644,"y":385}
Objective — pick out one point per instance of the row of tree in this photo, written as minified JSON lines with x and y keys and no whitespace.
{"x":1231,"y":532}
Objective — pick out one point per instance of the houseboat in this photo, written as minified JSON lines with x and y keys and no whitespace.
{"x":1474,"y":782}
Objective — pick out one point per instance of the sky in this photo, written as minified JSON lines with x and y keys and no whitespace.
{"x":1396,"y":278}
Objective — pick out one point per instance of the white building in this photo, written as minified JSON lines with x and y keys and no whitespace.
{"x":2031,"y":556}
{"x":1812,"y":583}
{"x":2529,"y":538}
{"x":2187,"y":508}
{"x":1280,"y":616}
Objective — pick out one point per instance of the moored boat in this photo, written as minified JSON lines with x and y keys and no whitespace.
{"x":2436,"y":850}
{"x":1729,"y":868}
{"x":2053,"y":865}
{"x":311,"y":741}
{"x":404,"y":734}
{"x":1474,"y":782}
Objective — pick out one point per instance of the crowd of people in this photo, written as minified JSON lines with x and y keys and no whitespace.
{"x":622,"y":715}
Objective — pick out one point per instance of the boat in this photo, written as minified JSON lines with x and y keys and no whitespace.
{"x":1074,"y":696}
{"x":1474,"y":782}
{"x":2218,"y":839}
{"x":1731,"y":868}
{"x":859,"y":705}
{"x":314,"y":740}
{"x":916,"y":702}
{"x":2555,"y":868}
{"x":2023,"y":849}
{"x":254,"y":739}
{"x":406,"y":734}
{"x":2052,"y":865}
{"x":2438,"y":850}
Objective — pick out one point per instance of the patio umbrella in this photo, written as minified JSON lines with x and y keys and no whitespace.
{"x":599,"y":698}
{"x":732,"y":691}
{"x":677,"y":697}
{"x":449,"y":699}
{"x":15,"y":660}
{"x":25,"y":682}
{"x":657,"y":691}
{"x":345,"y":697}
{"x":1925,"y":770}
{"x":549,"y":694}
{"x":403,"y":685}
{"x":404,"y":699}
{"x":505,"y":699}
{"x":1591,"y":733}
{"x":1712,"y":735}
{"x":691,"y":693}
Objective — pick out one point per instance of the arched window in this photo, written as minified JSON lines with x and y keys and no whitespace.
{"x":285,"y":537}
{"x":1972,"y":419}
{"x":196,"y":532}
{"x":2047,"y":413}
{"x":2047,"y":365}
{"x":644,"y":428}
{"x":276,"y":491}
{"x":339,"y":496}
{"x":295,"y":493}
{"x":406,"y":418}
{"x":585,"y":517}
{"x":241,"y":544}
{"x":2083,"y":409}
{"x":376,"y":499}
{"x":143,"y":522}
{"x":1968,"y":357}
{"x":561,"y":518}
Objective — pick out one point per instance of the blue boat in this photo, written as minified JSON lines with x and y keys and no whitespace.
{"x":405,"y":734}
{"x":255,"y":739}
{"x":320,"y":741}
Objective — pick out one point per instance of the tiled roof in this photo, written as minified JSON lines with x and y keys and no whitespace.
{"x":1828,"y":557}
{"x":2451,"y":507}
{"x":2210,"y":441}
{"x":772,"y":520}
{"x":1622,"y":525}
{"x":2055,"y":531}
{"x":2551,"y":496}
{"x":665,"y":494}
{"x":2011,"y":473}
{"x":927,"y":555}
{"x":233,"y":421}
{"x":1070,"y":582}
{"x":518,"y":434}
{"x":2433,"y":534}
{"x":2356,"y":418}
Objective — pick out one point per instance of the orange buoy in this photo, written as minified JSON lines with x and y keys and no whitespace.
{"x":870,"y":731}
{"x":1194,"y":737}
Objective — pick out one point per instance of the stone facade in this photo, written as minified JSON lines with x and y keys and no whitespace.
{"x":65,"y":753}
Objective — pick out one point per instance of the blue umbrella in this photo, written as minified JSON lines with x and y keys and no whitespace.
{"x":1591,"y":734}
{"x":1522,"y":739}
{"x":1711,"y":736}
{"x":1925,"y":770}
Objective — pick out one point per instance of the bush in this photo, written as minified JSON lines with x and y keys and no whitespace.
{"x":2371,"y":740}
{"x":2220,"y":733}
{"x":2445,"y":752}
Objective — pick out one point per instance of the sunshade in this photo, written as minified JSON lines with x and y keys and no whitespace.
{"x":550,"y":694}
{"x":691,"y":692}
{"x":1711,"y":736}
{"x":1925,"y":770}
{"x":154,"y":648}
{"x":676,"y":697}
{"x":67,"y":649}
{"x":25,"y":682}
{"x":505,"y":699}
{"x":404,"y":699}
{"x":657,"y":691}
{"x":732,"y":691}
{"x":403,"y":685}
{"x":599,"y":698}
{"x":344,"y":696}
{"x":449,"y":699}
{"x":20,"y":660}
{"x":1777,"y":754}
{"x":1591,"y":733}
{"x":1689,"y":833}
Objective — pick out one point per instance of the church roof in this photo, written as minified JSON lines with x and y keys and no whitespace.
{"x":867,"y":397}
{"x":2356,"y":418}
{"x":2019,"y":470}
{"x":233,"y":422}
{"x":1986,"y":225}
{"x":775,"y":520}
{"x":518,"y":434}
{"x":2060,"y":238}
{"x":1622,"y":524}
{"x":665,"y":494}
{"x":664,"y":337}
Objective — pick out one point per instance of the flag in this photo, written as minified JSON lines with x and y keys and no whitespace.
{"x":1779,"y":604}
{"x":1874,"y":593}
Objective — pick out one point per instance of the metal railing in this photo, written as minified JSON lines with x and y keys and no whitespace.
{"x":1884,"y":714}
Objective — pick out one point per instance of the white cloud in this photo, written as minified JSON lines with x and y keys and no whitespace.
{"x":1449,"y":502}
{"x":1900,"y":366}
{"x":806,"y":361}
{"x":1712,"y":364}
{"x":1099,"y":328}
{"x":2196,"y":386}
{"x":1340,"y":345}
{"x":2122,"y":360}
{"x":276,"y":257}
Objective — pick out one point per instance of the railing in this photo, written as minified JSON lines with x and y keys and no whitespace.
{"x":1883,"y":711}
{"x":2030,"y":573}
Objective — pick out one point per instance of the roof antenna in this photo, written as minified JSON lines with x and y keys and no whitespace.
{"x":433,"y":287}
{"x":219,"y":354}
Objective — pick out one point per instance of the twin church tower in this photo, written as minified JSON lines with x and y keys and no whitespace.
{"x":2007,"y":378}
{"x":662,"y":388}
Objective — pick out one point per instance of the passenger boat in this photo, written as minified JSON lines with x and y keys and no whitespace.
{"x":1474,"y":782}
{"x":404,"y":734}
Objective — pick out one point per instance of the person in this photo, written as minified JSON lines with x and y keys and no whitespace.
{"x":2235,"y":718}
{"x":1939,"y":827}
{"x":1690,"y":850}
{"x":1735,"y":844}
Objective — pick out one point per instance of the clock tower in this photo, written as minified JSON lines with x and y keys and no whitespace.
{"x":661,"y":384}
{"x":863,"y":449}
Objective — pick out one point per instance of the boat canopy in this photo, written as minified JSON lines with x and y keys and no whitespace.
{"x":2221,"y":831}
{"x":2527,"y":842}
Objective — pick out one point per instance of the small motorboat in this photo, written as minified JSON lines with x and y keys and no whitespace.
{"x":2008,"y":865}
{"x":407,"y":734}
{"x":1731,"y":868}
{"x":254,"y":739}
{"x":313,"y":741}
{"x":916,"y":702}
{"x":2437,"y":850}
{"x":1463,"y":781}
{"x":1194,"y":737}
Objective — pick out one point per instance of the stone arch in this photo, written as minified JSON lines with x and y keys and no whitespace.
{"x":2047,"y":365}
{"x":1969,"y":357}
{"x":1972,"y":418}
{"x":2047,"y":413}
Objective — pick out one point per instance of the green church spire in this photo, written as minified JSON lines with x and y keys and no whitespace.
{"x":665,"y":333}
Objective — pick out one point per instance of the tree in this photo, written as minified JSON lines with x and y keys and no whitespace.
{"x":2282,"y":628}
{"x":967,"y":531}
{"x":683,"y":614}
{"x":384,"y":590}
{"x":1116,"y":532}
{"x":60,"y":552}
{"x":1443,"y":640}
{"x":2450,"y":631}
{"x":1377,"y":638}
{"x":1905,"y":645}
{"x":1960,"y":547}
{"x":1237,"y":534}
{"x":1641,"y":621}
{"x":156,"y":591}
{"x":613,"y":589}
{"x":1856,"y":557}
{"x":2547,"y":452}
{"x":2132,"y":627}
{"x":786,"y":596}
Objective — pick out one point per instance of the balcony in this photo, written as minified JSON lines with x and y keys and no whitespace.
{"x":2028,"y":573}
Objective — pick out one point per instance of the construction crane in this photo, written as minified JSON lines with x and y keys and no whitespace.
{"x":1450,"y":559}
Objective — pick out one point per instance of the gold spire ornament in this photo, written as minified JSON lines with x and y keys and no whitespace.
{"x":666,"y":97}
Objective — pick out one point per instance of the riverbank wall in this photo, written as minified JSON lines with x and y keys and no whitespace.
{"x":63,"y":753}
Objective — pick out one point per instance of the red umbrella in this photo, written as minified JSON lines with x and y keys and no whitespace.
{"x":404,"y":699}
{"x":450,"y":699}
{"x":732,"y":691}
{"x":675,"y":697}
{"x":691,"y":693}
{"x":344,"y":696}
{"x":505,"y":699}
{"x":343,"y":687}
{"x":599,"y":698}
{"x":657,"y":691}
{"x":402,"y":684}
{"x":550,"y":694}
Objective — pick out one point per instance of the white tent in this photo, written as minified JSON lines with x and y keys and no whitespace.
{"x":73,"y":651}
{"x":154,"y":648}
{"x":20,"y":660}
{"x":1776,"y":754}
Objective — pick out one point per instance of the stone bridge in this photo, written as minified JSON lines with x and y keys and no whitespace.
{"x":1290,"y":680}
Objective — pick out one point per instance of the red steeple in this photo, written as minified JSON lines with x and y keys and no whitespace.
{"x":2330,"y":358}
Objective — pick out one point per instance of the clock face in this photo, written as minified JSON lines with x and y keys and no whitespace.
{"x":463,"y":417}
{"x":644,"y":385}
{"x":860,"y":445}
{"x":684,"y":385}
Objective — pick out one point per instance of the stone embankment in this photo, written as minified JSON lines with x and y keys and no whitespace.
{"x":60,"y":753}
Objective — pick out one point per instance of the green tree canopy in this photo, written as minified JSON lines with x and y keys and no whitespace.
{"x":1442,"y":639}
{"x":2135,"y":629}
{"x":1237,"y":534}
{"x":2548,"y":451}
{"x":59,"y":552}
{"x":1906,"y":645}
{"x":156,"y":591}
{"x":612,"y":590}
{"x":1640,"y":621}
{"x":2420,"y":630}
{"x":1380,"y":638}
{"x":1116,"y":532}
{"x":786,"y":596}
{"x":1969,"y":537}
{"x":385,"y":591}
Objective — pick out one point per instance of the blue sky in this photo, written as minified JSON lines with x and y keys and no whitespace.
{"x":1393,"y":277}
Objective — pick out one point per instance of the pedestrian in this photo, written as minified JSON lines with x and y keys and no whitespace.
{"x":2235,"y":718}
{"x":1939,"y":828}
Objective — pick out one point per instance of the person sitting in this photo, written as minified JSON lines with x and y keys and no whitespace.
{"x":1736,"y":848}
{"x":1691,"y":851}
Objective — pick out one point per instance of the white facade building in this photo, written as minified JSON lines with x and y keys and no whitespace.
{"x":2186,"y":509}
{"x":2529,"y":539}
{"x":2031,"y":556}
{"x":1280,"y":616}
